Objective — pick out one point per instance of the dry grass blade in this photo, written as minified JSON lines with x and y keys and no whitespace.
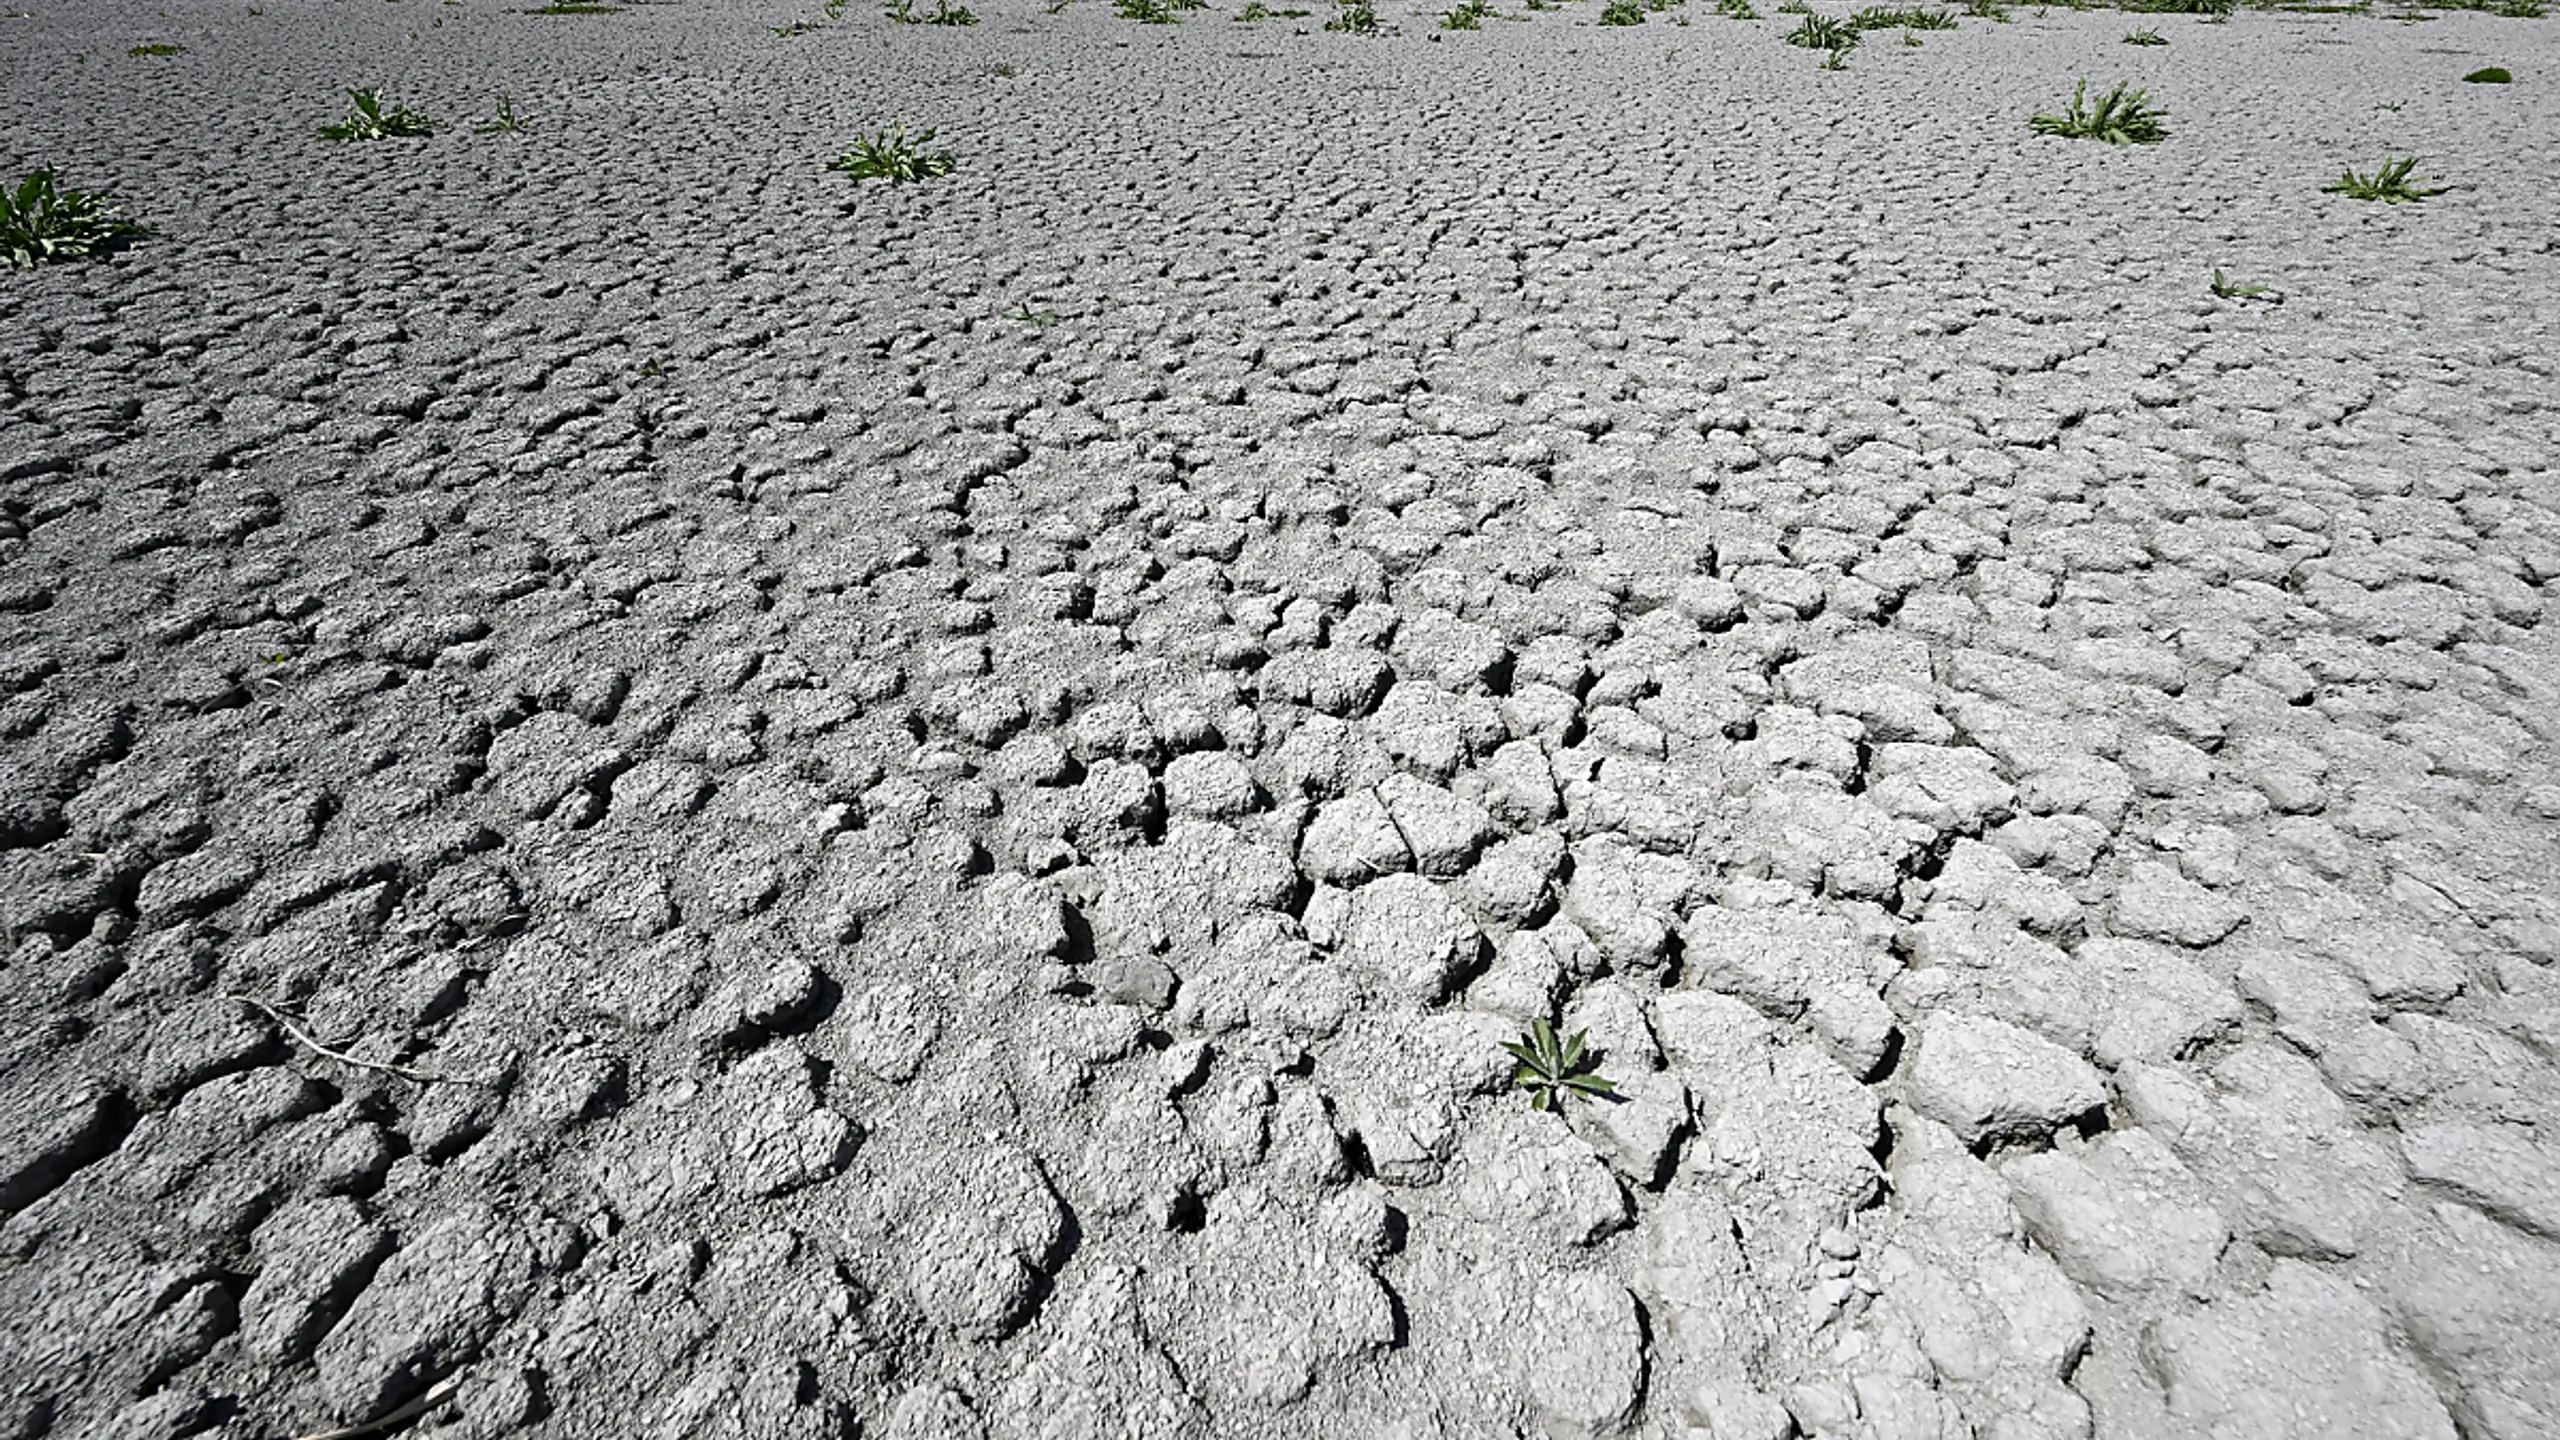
{"x":436,"y":1395}
{"x":421,"y":1077}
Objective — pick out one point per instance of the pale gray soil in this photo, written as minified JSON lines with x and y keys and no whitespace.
{"x":897,"y":870}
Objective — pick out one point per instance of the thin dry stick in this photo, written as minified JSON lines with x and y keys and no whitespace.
{"x":436,"y":1395}
{"x":422,"y":1077}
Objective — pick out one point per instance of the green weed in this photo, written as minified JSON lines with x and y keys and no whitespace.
{"x":946,"y":13}
{"x":39,"y":223}
{"x":1882,"y":17}
{"x":1990,"y":10}
{"x":2145,"y":36}
{"x":2224,"y":289}
{"x":2120,"y":119}
{"x":1468,"y":15}
{"x":508,"y":121}
{"x":894,"y":156}
{"x":1553,"y":1072}
{"x":1622,"y":12}
{"x":1354,"y":17}
{"x":157,"y":50}
{"x":1253,"y":10}
{"x":2390,"y":183}
{"x":1821,"y":32}
{"x":1036,"y":319}
{"x":367,"y":120}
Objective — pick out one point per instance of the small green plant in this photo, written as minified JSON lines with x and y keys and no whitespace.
{"x":2224,"y":289}
{"x":2390,"y":183}
{"x":1468,"y":15}
{"x":797,"y":27}
{"x":1880,"y":17}
{"x":1253,"y":11}
{"x":1622,"y":12}
{"x":508,"y":121}
{"x":1821,"y":32}
{"x":2120,"y":119}
{"x":40,"y":223}
{"x":2490,"y":75}
{"x":894,"y":156}
{"x":1145,"y":12}
{"x":2145,"y":36}
{"x":1736,"y":10}
{"x":1354,"y":17}
{"x":1552,"y":1072}
{"x":946,"y":13}
{"x":1003,"y":70}
{"x":1036,"y":319}
{"x":1910,"y":40}
{"x":157,"y":50}
{"x":1990,"y":10}
{"x":902,"y":11}
{"x":2391,"y":105}
{"x":834,"y":9}
{"x":367,"y":120}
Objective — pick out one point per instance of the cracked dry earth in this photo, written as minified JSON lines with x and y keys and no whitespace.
{"x":877,"y":868}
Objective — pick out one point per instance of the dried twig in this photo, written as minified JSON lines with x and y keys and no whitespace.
{"x":436,"y":1395}
{"x":422,"y":1077}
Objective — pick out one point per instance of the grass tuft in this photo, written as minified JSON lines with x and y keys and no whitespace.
{"x":1883,"y":17}
{"x":367,"y":120}
{"x":40,"y":223}
{"x":508,"y":121}
{"x":1622,"y":12}
{"x":894,"y":156}
{"x":2390,"y":183}
{"x":2120,"y":119}
{"x":1821,"y":32}
{"x":157,"y":50}
{"x":1354,"y":17}
{"x":2145,"y":36}
{"x":1467,"y":15}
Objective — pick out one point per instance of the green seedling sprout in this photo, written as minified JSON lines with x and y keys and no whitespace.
{"x":1552,"y":1072}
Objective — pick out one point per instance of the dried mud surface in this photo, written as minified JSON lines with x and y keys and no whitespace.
{"x":624,"y":805}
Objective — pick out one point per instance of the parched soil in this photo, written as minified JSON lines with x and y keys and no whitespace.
{"x":650,"y":791}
